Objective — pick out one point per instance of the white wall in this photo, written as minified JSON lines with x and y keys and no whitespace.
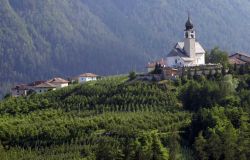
{"x":86,"y":79}
{"x":200,"y":59}
{"x":42,"y":90}
{"x":189,"y":64}
{"x":151,"y":70}
{"x":17,"y":93}
{"x":175,"y":61}
{"x":63,"y":85}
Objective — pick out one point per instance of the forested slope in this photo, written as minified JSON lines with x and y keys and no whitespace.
{"x":115,"y":118}
{"x":40,"y":39}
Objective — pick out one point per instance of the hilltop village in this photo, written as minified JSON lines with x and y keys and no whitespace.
{"x":186,"y":58}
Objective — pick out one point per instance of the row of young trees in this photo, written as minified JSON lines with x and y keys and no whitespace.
{"x":111,"y":135}
{"x":100,"y":96}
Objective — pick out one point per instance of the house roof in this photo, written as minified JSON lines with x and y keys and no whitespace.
{"x":241,"y":54}
{"x":21,"y":87}
{"x":36,"y":83}
{"x":234,"y":60}
{"x":152,"y":64}
{"x":237,"y":58}
{"x":88,"y":75}
{"x":45,"y":85}
{"x":57,"y":80}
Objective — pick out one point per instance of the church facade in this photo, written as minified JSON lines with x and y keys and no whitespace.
{"x":187,"y":53}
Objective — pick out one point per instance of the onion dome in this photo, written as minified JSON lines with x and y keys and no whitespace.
{"x":189,"y":24}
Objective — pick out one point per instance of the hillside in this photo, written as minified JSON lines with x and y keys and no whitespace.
{"x":41,"y":39}
{"x":115,"y":118}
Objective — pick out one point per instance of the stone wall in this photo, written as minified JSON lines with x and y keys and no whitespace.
{"x":201,"y":70}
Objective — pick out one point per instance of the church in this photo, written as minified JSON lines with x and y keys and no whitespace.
{"x":187,"y":53}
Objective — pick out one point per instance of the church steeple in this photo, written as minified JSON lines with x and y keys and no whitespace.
{"x":189,"y":39}
{"x":189,"y":31}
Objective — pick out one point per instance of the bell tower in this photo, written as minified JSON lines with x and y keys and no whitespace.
{"x":189,"y":39}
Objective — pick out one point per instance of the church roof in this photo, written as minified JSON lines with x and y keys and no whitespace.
{"x":198,"y":47}
{"x":178,"y":50}
{"x":180,"y":53}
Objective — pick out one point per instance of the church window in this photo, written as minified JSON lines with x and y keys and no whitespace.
{"x":176,"y":61}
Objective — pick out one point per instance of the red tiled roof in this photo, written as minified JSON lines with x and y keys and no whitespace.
{"x":234,"y":60}
{"x":57,"y":80}
{"x":88,"y":75}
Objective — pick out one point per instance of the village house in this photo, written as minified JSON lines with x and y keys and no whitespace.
{"x":239,"y":59}
{"x":20,"y":90}
{"x":24,"y":89}
{"x":86,"y":77}
{"x":187,"y":53}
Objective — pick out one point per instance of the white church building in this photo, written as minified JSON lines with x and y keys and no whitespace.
{"x":187,"y":53}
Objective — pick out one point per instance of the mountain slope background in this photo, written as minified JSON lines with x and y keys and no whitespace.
{"x":40,"y":39}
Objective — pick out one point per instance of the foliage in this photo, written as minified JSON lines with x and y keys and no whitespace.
{"x":196,"y":94}
{"x":132,"y":75}
{"x":222,"y":130}
{"x":217,"y":56}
